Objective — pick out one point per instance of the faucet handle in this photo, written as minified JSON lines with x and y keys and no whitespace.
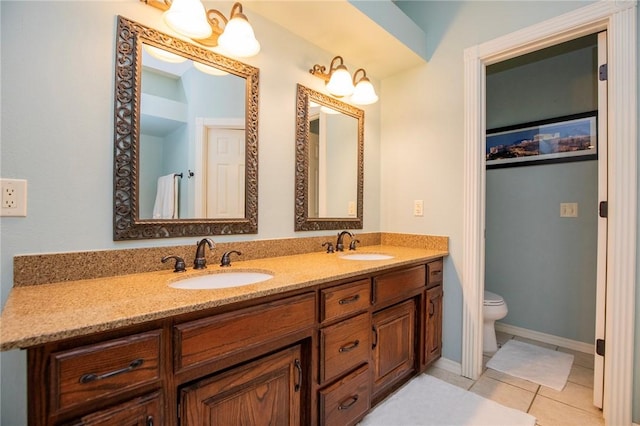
{"x":179,"y":266}
{"x":226,"y":259}
{"x":329,"y":245}
{"x":352,"y":245}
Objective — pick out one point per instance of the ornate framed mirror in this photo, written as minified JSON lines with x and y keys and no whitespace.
{"x":329,"y":163}
{"x":185,"y":139}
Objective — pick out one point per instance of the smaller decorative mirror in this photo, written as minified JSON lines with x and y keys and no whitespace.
{"x":329,"y":162}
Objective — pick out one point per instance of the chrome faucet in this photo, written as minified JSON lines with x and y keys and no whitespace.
{"x":339,"y":243}
{"x":200,"y":262}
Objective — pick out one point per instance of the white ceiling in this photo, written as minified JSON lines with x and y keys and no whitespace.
{"x":340,"y":28}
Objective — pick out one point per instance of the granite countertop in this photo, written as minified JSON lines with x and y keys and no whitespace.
{"x":39,"y":314}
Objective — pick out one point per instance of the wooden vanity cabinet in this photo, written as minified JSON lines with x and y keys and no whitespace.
{"x":116,"y":379}
{"x":263,"y":392}
{"x":396,"y":348}
{"x":318,"y":356}
{"x":433,"y":300}
{"x":344,"y":352}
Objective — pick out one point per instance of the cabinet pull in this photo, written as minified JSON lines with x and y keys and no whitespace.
{"x":348,"y":300}
{"x":375,"y":337}
{"x":431,"y":308}
{"x":348,"y":403}
{"x":298,"y":367}
{"x":149,"y":420}
{"x":349,"y":347}
{"x":88,"y":378}
{"x":436,"y":272}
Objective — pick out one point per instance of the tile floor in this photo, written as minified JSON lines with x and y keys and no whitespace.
{"x":570,"y":407}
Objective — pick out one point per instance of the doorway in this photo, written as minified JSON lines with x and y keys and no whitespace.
{"x":620,"y":22}
{"x":541,"y":258}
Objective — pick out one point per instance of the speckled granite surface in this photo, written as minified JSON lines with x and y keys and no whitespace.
{"x":36,"y":314}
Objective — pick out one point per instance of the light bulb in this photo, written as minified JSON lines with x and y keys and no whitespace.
{"x":189,"y":18}
{"x":340,"y":82}
{"x":364,"y":93}
{"x":238,"y":38}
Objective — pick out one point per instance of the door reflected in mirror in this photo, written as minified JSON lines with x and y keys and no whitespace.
{"x":191,"y":120}
{"x":329,"y":162}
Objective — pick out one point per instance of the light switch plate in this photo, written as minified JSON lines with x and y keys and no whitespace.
{"x":568,"y":209}
{"x":418,"y":207}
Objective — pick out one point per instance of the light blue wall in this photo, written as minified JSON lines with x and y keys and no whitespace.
{"x":430,"y":125}
{"x":544,"y":265}
{"x":57,"y":64}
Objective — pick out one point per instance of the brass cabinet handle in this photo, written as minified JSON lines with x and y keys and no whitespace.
{"x":92,"y":377}
{"x":149,"y":420}
{"x":348,"y":300}
{"x":348,"y":403}
{"x":350,"y":347}
{"x":431,"y":308}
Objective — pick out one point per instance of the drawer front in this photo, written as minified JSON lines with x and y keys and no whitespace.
{"x":344,"y":346}
{"x":104,"y":369}
{"x":346,"y":401}
{"x":395,"y":284}
{"x":344,"y":300}
{"x":434,"y":273}
{"x":223,"y":335}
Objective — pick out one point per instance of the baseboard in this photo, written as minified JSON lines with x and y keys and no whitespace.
{"x":449,"y":365}
{"x":546,"y":338}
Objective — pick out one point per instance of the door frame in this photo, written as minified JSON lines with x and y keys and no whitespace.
{"x":619,"y":20}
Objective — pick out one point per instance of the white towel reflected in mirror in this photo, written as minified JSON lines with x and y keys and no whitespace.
{"x":166,"y":205}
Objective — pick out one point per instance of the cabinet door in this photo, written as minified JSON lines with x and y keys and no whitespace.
{"x":393,"y":344}
{"x":143,"y":411}
{"x":433,"y":326}
{"x":263,"y":392}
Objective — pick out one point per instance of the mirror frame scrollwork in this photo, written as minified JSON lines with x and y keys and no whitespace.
{"x":302,"y":220}
{"x":128,"y":70}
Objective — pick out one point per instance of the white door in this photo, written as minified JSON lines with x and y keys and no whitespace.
{"x":225,"y":167}
{"x":601,"y":274}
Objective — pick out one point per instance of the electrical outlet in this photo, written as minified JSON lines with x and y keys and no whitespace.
{"x":418,"y":208}
{"x":14,"y":197}
{"x":352,"y":208}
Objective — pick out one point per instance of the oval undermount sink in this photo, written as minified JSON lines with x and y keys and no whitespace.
{"x":366,"y":256}
{"x":221,"y":280}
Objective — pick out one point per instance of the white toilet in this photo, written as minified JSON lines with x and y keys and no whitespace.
{"x":494,"y":308}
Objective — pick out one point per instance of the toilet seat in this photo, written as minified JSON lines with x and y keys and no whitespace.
{"x":492,"y":299}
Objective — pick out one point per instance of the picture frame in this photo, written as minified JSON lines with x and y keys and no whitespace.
{"x":557,"y":140}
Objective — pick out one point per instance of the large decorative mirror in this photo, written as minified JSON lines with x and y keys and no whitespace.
{"x":186,"y":139}
{"x":329,"y":162}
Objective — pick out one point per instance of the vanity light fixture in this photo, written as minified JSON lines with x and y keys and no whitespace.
{"x":210,"y":27}
{"x":339,"y":82}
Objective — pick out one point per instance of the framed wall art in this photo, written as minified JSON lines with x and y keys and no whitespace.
{"x":557,"y":140}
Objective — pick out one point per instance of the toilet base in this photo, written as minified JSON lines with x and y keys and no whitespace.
{"x":489,"y":341}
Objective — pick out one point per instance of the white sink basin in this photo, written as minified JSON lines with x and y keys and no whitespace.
{"x":366,"y":256}
{"x":221,"y":280}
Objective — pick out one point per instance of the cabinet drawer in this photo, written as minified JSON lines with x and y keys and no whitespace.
{"x":344,"y":346}
{"x":395,"y":284}
{"x":434,"y":273}
{"x":342,"y":300}
{"x":104,"y":369}
{"x":347,"y":400}
{"x":223,"y":335}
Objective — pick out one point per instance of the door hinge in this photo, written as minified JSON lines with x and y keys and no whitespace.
{"x":603,"y":72}
{"x":600,"y":347}
{"x":603,"y":209}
